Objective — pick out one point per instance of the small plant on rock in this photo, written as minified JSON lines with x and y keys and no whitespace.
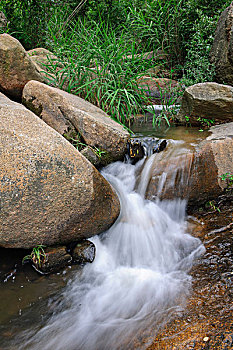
{"x":212,"y":206}
{"x":205,"y":123}
{"x":228,"y":178}
{"x":37,"y":256}
{"x":100,"y":153}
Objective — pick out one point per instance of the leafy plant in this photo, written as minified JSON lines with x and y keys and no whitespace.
{"x":197,"y":67}
{"x":213,"y":206}
{"x":100,"y":153}
{"x":187,"y":120}
{"x":205,"y":122}
{"x":170,"y":97}
{"x":76,"y":142}
{"x":37,"y":256}
{"x":228,"y":178}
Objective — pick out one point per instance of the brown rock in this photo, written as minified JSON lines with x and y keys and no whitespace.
{"x":159,"y":89}
{"x":221,"y":53}
{"x":194,"y":175}
{"x":84,"y":252}
{"x":95,"y":126}
{"x":16,"y":67}
{"x":3,"y":21}
{"x":88,"y":153}
{"x":43,"y":58}
{"x":56,"y":258}
{"x":40,"y":53}
{"x":50,"y":194}
{"x":207,"y":101}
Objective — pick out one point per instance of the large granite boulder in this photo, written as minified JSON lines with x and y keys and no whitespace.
{"x":16,"y":67}
{"x":62,"y":110}
{"x":196,"y":173}
{"x":50,"y":193}
{"x":221,"y":54}
{"x":210,"y":101}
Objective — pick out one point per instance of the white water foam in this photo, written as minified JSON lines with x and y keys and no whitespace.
{"x":139,"y":278}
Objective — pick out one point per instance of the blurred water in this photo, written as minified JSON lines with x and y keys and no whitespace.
{"x":138,"y":280}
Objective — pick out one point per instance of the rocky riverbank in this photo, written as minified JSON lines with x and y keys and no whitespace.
{"x":50,"y":192}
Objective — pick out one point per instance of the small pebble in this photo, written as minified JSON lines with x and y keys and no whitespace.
{"x":206,"y":339}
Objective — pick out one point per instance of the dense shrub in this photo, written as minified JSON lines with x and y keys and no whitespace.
{"x":28,"y":19}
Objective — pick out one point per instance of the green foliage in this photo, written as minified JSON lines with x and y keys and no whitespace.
{"x":100,"y":45}
{"x":37,"y":256}
{"x":99,"y":66}
{"x":75,"y":141}
{"x":28,"y":19}
{"x":160,"y":24}
{"x":228,"y":178}
{"x":212,"y":206}
{"x":215,"y":7}
{"x":169,"y":96}
{"x":100,"y":153}
{"x":157,"y":24}
{"x":197,"y":67}
{"x":205,"y":122}
{"x":113,"y":11}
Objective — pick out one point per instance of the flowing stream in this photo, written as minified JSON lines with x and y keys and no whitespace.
{"x":138,"y":281}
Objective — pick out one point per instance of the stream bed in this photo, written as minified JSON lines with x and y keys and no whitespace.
{"x":160,"y":280}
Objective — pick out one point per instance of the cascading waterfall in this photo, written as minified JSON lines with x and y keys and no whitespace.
{"x":139,"y":278}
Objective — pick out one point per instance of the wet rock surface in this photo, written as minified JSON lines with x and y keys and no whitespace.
{"x":137,"y":148}
{"x":84,"y":252}
{"x":194,"y":173}
{"x":56,"y":258}
{"x":207,"y":322}
{"x":50,"y":194}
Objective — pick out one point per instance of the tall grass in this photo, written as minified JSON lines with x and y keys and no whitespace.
{"x":158,"y":24}
{"x":101,"y":65}
{"x":100,"y":44}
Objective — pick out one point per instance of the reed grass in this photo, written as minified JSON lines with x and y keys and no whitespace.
{"x":101,"y":65}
